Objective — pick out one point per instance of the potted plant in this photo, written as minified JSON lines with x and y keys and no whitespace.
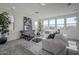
{"x":39,"y":28}
{"x":4,"y":26}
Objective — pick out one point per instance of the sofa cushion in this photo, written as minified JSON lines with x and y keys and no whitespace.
{"x":54,"y":46}
{"x":51,"y":36}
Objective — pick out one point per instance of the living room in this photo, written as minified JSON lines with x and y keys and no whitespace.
{"x":32,"y":24}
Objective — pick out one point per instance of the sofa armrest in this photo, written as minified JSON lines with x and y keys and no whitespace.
{"x":53,"y":45}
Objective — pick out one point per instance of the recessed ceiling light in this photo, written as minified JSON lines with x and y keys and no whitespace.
{"x":36,"y":12}
{"x":13,"y":7}
{"x":69,"y":4}
{"x":43,"y":4}
{"x":75,"y":9}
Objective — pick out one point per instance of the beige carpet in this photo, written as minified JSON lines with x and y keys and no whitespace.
{"x":14,"y":48}
{"x":22,"y":47}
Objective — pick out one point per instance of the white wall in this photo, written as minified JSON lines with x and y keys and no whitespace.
{"x":15,"y":34}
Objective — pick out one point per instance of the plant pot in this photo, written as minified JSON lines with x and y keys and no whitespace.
{"x":3,"y":40}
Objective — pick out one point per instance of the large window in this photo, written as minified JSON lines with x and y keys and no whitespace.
{"x":60,"y":23}
{"x":11,"y":27}
{"x":36,"y":24}
{"x":52,"y":23}
{"x":71,"y":22}
{"x":45,"y":23}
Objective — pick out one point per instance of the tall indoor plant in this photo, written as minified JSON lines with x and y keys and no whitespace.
{"x":4,"y":25}
{"x":39,"y":28}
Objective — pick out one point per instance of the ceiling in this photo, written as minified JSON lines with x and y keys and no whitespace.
{"x":39,"y":11}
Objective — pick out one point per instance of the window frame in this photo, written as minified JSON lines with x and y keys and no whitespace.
{"x":71,"y":26}
{"x":51,"y":25}
{"x":12,"y":25}
{"x":46,"y":25}
{"x":60,"y":24}
{"x":36,"y":24}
